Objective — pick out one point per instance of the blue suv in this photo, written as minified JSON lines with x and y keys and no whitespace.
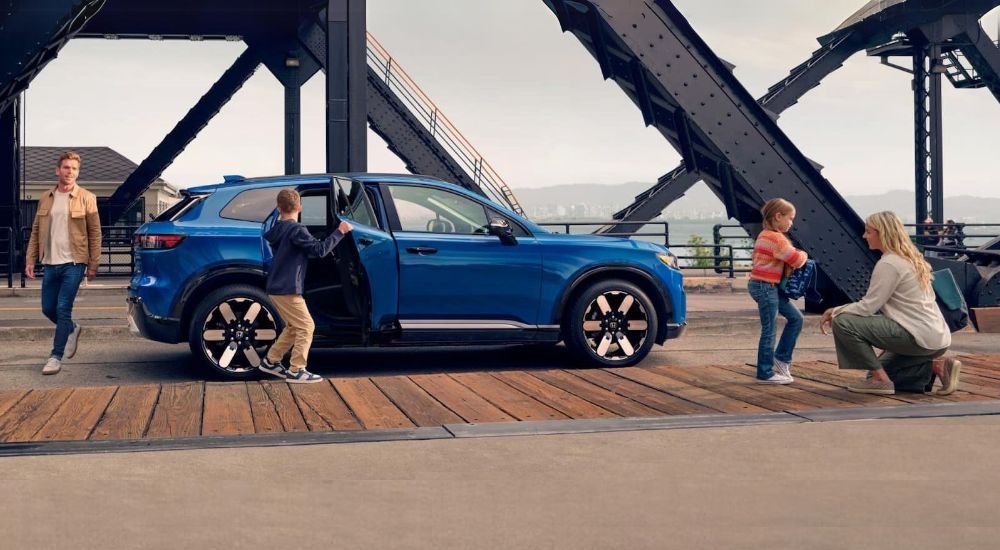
{"x":428,"y":263}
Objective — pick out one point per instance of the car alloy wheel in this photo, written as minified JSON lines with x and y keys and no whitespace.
{"x":233,"y":328}
{"x":613,"y":324}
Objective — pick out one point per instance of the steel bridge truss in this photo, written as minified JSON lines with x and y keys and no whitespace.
{"x":729,"y":139}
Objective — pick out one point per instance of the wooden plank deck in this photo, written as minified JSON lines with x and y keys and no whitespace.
{"x":421,"y":400}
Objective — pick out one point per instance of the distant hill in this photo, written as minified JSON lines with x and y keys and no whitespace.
{"x":600,"y":201}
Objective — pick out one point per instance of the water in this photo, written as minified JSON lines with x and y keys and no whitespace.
{"x":681,"y":236}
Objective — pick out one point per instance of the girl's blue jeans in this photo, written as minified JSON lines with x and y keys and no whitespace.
{"x":770,"y":303}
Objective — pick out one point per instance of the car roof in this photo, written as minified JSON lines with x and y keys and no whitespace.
{"x":235,"y":182}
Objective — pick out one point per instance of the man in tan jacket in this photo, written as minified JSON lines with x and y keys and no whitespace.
{"x":66,"y":239}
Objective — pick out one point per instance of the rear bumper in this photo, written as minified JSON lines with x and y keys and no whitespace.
{"x":675,"y":330}
{"x":143,"y":323}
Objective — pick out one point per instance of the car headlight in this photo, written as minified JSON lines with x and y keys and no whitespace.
{"x":669,"y":259}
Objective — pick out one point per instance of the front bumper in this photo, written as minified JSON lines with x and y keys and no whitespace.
{"x":143,"y":323}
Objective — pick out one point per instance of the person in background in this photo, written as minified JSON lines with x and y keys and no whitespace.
{"x":773,"y":258}
{"x":66,"y":239}
{"x":898,"y":314}
{"x":949,"y":238}
{"x":928,"y":234}
{"x":293,"y":245}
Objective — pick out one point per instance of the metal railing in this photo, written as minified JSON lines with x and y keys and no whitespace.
{"x":117,"y":253}
{"x":719,"y":259}
{"x":727,"y":253}
{"x":435,"y":122}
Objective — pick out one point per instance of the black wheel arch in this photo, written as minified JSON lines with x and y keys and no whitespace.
{"x":208,"y":281}
{"x":656,"y":292}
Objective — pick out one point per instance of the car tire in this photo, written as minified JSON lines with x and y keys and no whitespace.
{"x":612,"y":324}
{"x":231,"y":330}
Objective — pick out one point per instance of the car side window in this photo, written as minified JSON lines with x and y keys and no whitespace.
{"x":429,"y":210}
{"x":353,"y":202}
{"x":314,"y":212}
{"x":252,"y":205}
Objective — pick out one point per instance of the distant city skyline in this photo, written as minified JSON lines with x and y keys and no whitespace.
{"x":527,"y":96}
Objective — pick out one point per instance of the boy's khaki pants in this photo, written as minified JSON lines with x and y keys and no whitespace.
{"x":298,"y":332}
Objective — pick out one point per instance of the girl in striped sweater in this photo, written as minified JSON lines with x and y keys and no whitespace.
{"x":774,"y":257}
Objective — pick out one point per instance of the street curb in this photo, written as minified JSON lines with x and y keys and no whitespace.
{"x":90,"y":290}
{"x":39,"y":334}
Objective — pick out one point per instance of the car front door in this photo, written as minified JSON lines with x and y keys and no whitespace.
{"x":453,"y":274}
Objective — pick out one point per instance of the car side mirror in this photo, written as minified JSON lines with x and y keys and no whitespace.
{"x":500,"y":228}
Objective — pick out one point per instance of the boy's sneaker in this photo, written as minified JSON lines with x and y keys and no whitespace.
{"x":72,"y":341}
{"x":775,"y":379}
{"x":784,"y":369}
{"x":52,"y":366}
{"x":301,"y":377}
{"x":276,"y":368}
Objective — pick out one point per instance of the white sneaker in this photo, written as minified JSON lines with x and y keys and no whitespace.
{"x":73,"y":341}
{"x":776,"y":379}
{"x":52,"y":366}
{"x":783,"y":368}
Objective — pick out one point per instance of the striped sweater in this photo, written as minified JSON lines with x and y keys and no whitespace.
{"x":771,"y":252}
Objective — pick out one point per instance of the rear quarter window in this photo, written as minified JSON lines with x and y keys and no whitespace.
{"x":252,"y":205}
{"x":179,"y":208}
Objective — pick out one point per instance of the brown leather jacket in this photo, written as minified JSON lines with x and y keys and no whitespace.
{"x":84,"y":228}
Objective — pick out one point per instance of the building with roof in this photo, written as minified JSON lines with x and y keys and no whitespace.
{"x":102,"y":170}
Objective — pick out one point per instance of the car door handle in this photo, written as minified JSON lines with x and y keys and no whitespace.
{"x":365,"y":241}
{"x":421,"y":250}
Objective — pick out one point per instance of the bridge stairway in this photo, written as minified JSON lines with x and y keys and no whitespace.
{"x":421,"y":135}
{"x":983,"y":57}
{"x":413,"y":127}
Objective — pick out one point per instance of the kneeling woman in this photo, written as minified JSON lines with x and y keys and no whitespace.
{"x":898,"y":314}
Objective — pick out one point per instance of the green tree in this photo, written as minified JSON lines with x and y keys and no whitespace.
{"x":696,"y":247}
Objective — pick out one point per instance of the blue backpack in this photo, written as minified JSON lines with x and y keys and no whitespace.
{"x":800,"y":282}
{"x":950,"y":300}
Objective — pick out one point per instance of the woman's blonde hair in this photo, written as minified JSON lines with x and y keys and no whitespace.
{"x":774,"y":207}
{"x":896,"y":240}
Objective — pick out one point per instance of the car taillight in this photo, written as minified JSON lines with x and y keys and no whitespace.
{"x":157,"y":242}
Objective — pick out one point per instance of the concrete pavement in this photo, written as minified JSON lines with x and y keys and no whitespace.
{"x":928,"y":483}
{"x":924,"y":484}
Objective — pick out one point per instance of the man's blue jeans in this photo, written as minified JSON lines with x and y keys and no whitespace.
{"x":770,"y":303}
{"x":59,"y":286}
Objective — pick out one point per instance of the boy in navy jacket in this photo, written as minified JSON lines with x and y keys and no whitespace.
{"x":293,"y":245}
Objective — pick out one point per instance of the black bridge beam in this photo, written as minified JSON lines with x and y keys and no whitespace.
{"x":10,"y":192}
{"x":927,"y":121}
{"x":346,"y":102}
{"x":707,"y":115}
{"x":31,"y":34}
{"x":780,"y":96}
{"x":180,"y":136}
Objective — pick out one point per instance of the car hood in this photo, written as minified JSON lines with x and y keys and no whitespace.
{"x":600,"y":240}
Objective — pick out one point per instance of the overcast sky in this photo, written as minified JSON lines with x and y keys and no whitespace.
{"x":528,"y":97}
